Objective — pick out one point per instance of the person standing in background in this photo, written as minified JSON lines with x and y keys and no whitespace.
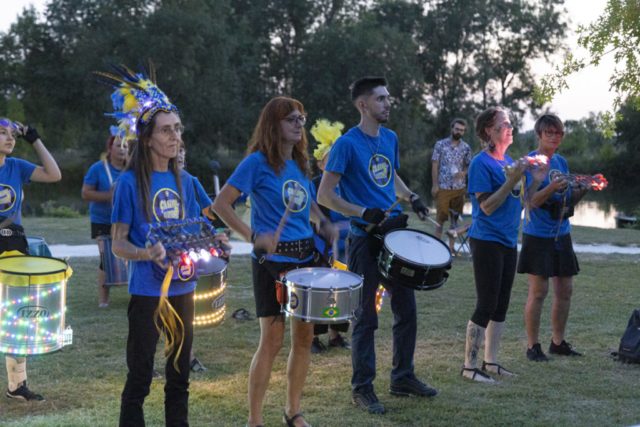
{"x":451,"y":159}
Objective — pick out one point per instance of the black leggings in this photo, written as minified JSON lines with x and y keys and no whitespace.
{"x":494,"y":268}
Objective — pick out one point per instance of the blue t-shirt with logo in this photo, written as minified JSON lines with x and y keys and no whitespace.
{"x":145,"y":277}
{"x":486,"y":175}
{"x":270,"y":195}
{"x":367,"y":169}
{"x":540,"y":223}
{"x":100,"y":212}
{"x":13,"y":174}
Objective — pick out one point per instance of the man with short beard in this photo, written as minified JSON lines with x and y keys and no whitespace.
{"x":451,"y":159}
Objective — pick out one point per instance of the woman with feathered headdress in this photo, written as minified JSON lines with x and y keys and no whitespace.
{"x":151,"y":189}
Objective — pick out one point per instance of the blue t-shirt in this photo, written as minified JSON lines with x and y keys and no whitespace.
{"x":145,"y":277}
{"x":270,"y":195}
{"x":339,"y":220}
{"x":486,"y":175}
{"x":540,"y":223}
{"x":367,"y":178}
{"x":13,"y":174}
{"x":203,"y":198}
{"x":100,"y":212}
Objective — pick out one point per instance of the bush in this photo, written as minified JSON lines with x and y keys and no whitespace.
{"x":50,"y":210}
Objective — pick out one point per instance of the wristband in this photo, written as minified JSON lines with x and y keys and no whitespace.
{"x":413,"y":197}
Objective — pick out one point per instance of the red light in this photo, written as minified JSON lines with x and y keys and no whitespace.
{"x":185,"y":259}
{"x":214,"y":252}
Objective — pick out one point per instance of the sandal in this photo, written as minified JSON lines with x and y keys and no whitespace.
{"x":242,"y":314}
{"x":500,"y":368}
{"x":475,"y":371}
{"x":289,"y":421}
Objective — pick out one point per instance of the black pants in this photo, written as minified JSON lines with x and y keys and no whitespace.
{"x":141,"y":348}
{"x":494,"y":268}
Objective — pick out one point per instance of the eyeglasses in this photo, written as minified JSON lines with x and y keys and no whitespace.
{"x":293,"y":119}
{"x":551,"y":134}
{"x":169,"y":131}
{"x":505,"y":126}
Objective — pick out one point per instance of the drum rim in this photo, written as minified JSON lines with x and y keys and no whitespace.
{"x":395,"y":254}
{"x":5,"y":271}
{"x":360,"y":283}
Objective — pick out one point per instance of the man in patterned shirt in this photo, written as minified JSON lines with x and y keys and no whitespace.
{"x":451,"y":159}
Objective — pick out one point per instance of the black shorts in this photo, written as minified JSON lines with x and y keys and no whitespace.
{"x":98,"y":229}
{"x":264,"y":285}
{"x":543,"y":256}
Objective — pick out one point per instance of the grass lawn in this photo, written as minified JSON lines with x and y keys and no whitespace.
{"x":83,"y":382}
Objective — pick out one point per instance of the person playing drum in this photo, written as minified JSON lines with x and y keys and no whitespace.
{"x":495,"y":197}
{"x":547,"y":250}
{"x":275,"y":175}
{"x":98,"y":189}
{"x":363,"y":161}
{"x":14,"y":173}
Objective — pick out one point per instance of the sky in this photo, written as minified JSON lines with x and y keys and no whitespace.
{"x":588,"y":91}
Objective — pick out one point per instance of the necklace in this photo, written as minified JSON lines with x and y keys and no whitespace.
{"x":366,"y":138}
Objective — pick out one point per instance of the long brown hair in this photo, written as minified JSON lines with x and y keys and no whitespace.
{"x":141,"y":164}
{"x":267,"y":136}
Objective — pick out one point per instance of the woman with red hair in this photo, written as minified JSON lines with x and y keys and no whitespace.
{"x":275,"y":175}
{"x":98,"y":189}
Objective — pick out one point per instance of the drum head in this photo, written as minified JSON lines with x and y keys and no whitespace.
{"x":34,"y":270}
{"x":213,"y":266}
{"x":323,"y":278}
{"x":418,"y":247}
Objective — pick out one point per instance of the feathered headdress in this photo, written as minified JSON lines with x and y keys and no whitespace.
{"x":136,"y":99}
{"x":326,"y":134}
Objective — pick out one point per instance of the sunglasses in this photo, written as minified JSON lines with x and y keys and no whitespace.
{"x":9,"y":124}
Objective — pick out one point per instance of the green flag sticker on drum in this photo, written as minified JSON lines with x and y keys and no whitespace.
{"x":330,"y":312}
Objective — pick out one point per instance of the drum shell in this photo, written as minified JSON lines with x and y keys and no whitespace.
{"x":210,"y":305}
{"x":116,"y":269}
{"x":306,"y":303}
{"x":43,"y":306}
{"x":398,"y":270}
{"x":38,"y":247}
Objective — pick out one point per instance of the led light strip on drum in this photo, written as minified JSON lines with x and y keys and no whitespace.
{"x":211,"y":318}
{"x":211,"y":294}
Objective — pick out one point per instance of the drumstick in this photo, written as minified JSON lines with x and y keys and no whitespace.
{"x":371,"y":226}
{"x":103,"y":159}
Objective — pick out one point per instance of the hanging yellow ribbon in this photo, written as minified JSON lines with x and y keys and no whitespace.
{"x":169,"y":317}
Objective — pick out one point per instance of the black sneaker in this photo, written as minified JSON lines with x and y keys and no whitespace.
{"x":411,"y":386}
{"x":368,"y":401}
{"x":535,"y":354}
{"x":317,"y":347}
{"x":339,"y":342}
{"x":564,"y":349}
{"x":196,"y":365}
{"x":23,"y":393}
{"x":156,"y":375}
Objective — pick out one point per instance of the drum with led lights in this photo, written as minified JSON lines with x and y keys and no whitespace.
{"x":116,"y":269}
{"x":32,"y":304}
{"x":210,"y":289}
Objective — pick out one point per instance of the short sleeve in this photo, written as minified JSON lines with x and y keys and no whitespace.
{"x":396,"y":161}
{"x":92,"y":176}
{"x":246,"y":175}
{"x":124,"y":202}
{"x":436,"y":152}
{"x":479,"y":177}
{"x":26,"y":170}
{"x":339,"y":156}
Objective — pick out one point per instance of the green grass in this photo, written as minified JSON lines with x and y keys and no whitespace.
{"x":56,"y":231}
{"x":83,"y":382}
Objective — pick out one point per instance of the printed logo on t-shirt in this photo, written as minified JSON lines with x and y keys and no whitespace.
{"x":167,"y":205}
{"x":552,"y":173}
{"x":7,"y":197}
{"x":380,"y":170}
{"x":301,"y":196}
{"x":185,"y":271}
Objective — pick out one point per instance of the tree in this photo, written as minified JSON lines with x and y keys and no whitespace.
{"x":617,"y":33}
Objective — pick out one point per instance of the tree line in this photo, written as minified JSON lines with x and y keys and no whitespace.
{"x":220,"y":61}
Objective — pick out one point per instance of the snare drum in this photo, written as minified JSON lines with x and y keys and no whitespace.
{"x":33,"y":293}
{"x":38,"y":247}
{"x":322,"y":295}
{"x":116,"y":269}
{"x":414,"y":259}
{"x":209,"y":295}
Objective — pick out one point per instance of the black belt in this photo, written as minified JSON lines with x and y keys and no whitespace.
{"x":360,"y":225}
{"x":7,"y":232}
{"x":296,"y":249}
